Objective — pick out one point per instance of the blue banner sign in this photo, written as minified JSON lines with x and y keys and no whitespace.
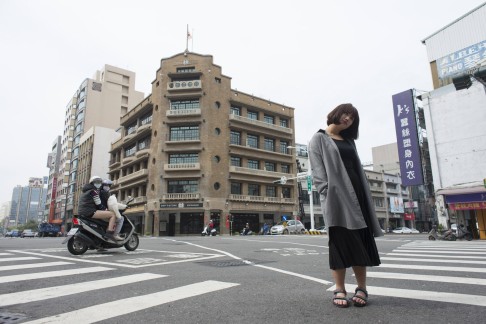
{"x":407,"y":139}
{"x":461,"y":61}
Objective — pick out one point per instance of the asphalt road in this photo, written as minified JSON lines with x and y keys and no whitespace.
{"x":256,"y":279}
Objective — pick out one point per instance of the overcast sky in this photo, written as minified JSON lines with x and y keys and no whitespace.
{"x":310,"y":55}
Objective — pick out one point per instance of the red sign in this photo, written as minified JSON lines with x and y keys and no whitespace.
{"x":408,"y":216}
{"x":468,"y":206}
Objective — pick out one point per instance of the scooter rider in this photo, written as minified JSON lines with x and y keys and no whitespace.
{"x":90,"y":205}
{"x":104,"y":195}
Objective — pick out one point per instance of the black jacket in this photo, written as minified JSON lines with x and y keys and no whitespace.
{"x":89,"y":201}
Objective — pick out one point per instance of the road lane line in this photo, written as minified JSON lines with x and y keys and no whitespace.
{"x":49,"y":274}
{"x":133,"y":304}
{"x":4,"y":253}
{"x":28,"y":296}
{"x":450,"y":260}
{"x":437,"y":256}
{"x":18,"y":259}
{"x":295,"y":274}
{"x":33,"y":265}
{"x":437,"y":296}
{"x":432,"y":268}
{"x":407,"y":276}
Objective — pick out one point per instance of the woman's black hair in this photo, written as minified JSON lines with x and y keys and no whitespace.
{"x":335,"y":115}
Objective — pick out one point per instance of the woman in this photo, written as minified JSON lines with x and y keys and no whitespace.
{"x":345,"y":201}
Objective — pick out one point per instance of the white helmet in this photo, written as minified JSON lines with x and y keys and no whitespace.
{"x":95,"y":178}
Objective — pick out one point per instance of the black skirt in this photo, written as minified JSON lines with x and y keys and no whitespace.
{"x":348,"y":248}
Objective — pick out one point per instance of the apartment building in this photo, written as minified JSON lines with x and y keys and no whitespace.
{"x":28,"y":202}
{"x":99,"y":101}
{"x":196,"y":149}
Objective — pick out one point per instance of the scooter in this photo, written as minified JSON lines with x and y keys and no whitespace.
{"x":205,"y":232}
{"x":89,"y":233}
{"x":447,"y":236}
{"x":463,"y":233}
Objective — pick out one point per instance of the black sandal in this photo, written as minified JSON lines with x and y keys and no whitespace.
{"x":363,"y":298}
{"x":340,"y":291}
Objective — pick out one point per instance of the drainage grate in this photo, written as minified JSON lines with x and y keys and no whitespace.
{"x":11,"y":318}
{"x":231,"y":263}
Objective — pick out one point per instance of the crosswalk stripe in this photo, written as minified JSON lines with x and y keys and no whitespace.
{"x":18,"y":259}
{"x":407,"y":276}
{"x":5,"y":253}
{"x":438,"y":296}
{"x":434,"y":261}
{"x":65,"y":290}
{"x":33,"y":265}
{"x":438,"y":256}
{"x":442,"y":251}
{"x":49,"y":274}
{"x":432,"y":268}
{"x":128,"y":305}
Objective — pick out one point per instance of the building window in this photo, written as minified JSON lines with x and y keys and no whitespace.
{"x":285,"y":168}
{"x":184,"y":133}
{"x":252,"y":115}
{"x":131,"y":128}
{"x":184,"y":104}
{"x":253,"y":189}
{"x":186,"y":69}
{"x":269,"y":119}
{"x":286,"y":192}
{"x":283,"y":147}
{"x":271,"y":191}
{"x":183,"y":158}
{"x":270,"y":166}
{"x":236,"y":188}
{"x":147,"y":119}
{"x":235,"y":138}
{"x":252,"y":141}
{"x":253,"y":164}
{"x":284,"y":122}
{"x":235,"y":110}
{"x":129,"y":151}
{"x":236,"y":161}
{"x":269,"y":144}
{"x":378,"y":202}
{"x":144,"y":143}
{"x":182,"y":186}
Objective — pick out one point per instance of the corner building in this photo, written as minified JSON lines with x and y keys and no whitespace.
{"x":195,"y":150}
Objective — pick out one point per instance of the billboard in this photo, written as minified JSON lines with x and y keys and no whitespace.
{"x":407,"y":138}
{"x":36,"y":182}
{"x":461,"y":61}
{"x":396,"y":205}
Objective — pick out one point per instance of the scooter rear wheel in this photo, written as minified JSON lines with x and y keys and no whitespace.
{"x":468,"y":236}
{"x":431,"y":238}
{"x":76,"y":247}
{"x":132,"y":243}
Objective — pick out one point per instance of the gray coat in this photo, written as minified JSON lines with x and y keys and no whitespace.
{"x":339,"y":202}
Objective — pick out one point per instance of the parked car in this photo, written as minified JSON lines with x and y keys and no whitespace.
{"x":405,"y":230}
{"x":287,"y":227}
{"x":322,"y":229}
{"x":14,"y":233}
{"x":27,"y":233}
{"x":415,"y":231}
{"x":454,"y":228}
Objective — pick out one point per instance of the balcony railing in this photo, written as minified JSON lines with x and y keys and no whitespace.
{"x":183,"y":112}
{"x":182,"y":166}
{"x":262,"y":199}
{"x":181,"y":196}
{"x":133,"y":176}
{"x":261,"y":123}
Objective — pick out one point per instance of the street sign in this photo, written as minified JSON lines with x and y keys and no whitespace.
{"x":283,"y":180}
{"x":309,"y":184}
{"x":302,"y":175}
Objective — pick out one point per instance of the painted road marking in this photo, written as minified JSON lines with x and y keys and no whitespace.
{"x":432,"y":268}
{"x":128,"y":305}
{"x":437,"y":256}
{"x":34,"y":265}
{"x":49,"y":274}
{"x":65,"y":290}
{"x":407,"y":276}
{"x":18,"y":259}
{"x":449,"y":260}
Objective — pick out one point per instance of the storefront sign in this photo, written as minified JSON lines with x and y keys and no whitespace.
{"x":172,"y":205}
{"x":407,"y":139}
{"x":461,"y":61}
{"x":408,"y":216}
{"x":181,"y":205}
{"x":468,"y":206}
{"x":193,"y":205}
{"x":465,"y":198}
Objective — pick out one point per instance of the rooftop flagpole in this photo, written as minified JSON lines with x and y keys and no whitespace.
{"x":188,"y":35}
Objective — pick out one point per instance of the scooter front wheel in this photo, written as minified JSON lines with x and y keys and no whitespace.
{"x":132,"y":243}
{"x":76,"y":247}
{"x":468,"y":236}
{"x":431,"y":238}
